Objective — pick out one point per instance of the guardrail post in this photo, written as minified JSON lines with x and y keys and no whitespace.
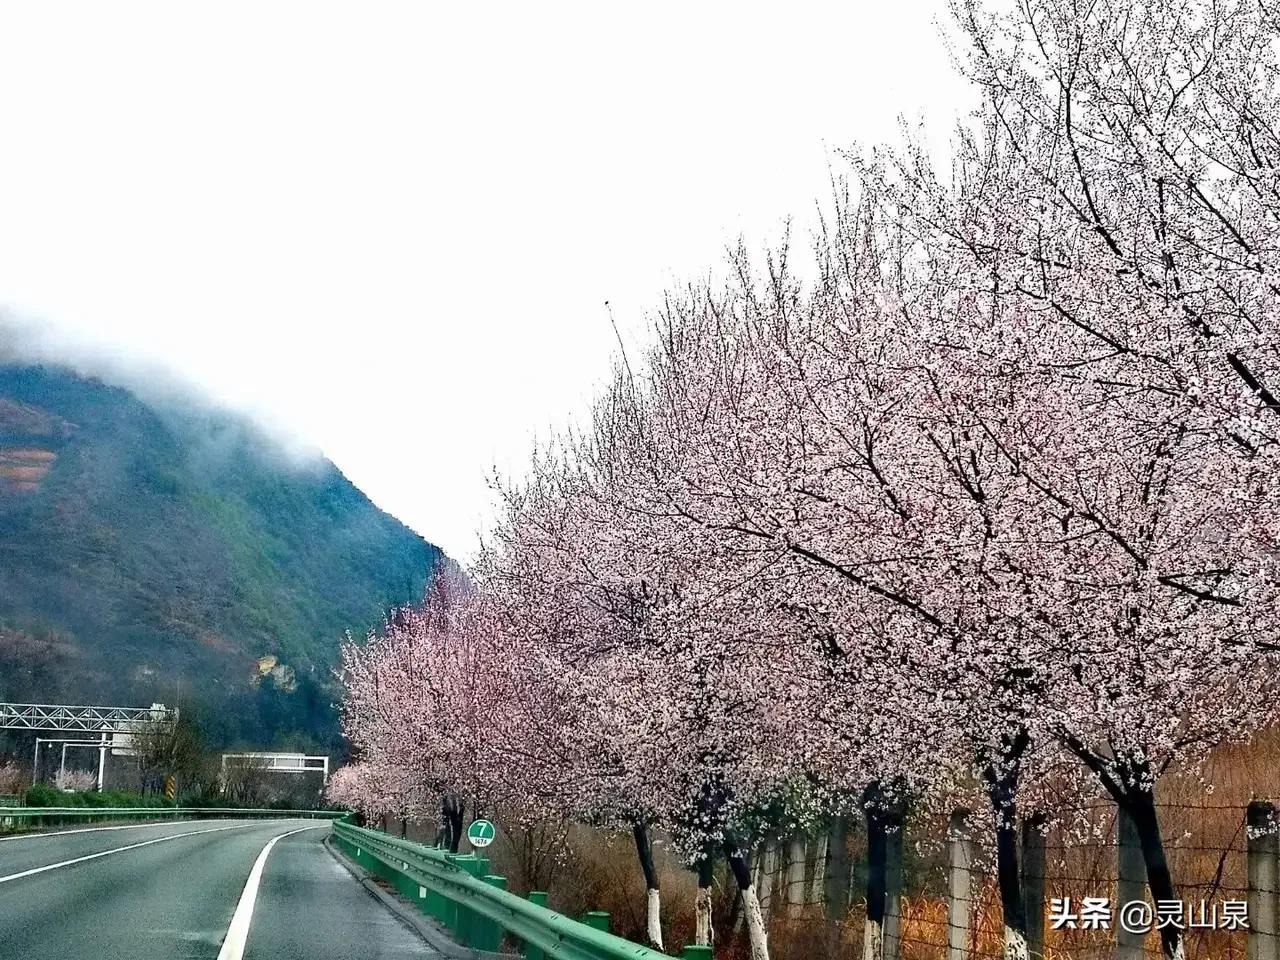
{"x":439,"y":906}
{"x":448,"y":909}
{"x":696,"y":951}
{"x":488,"y":933}
{"x":465,"y":926}
{"x":479,"y":925}
{"x":377,"y":866}
{"x":405,"y":883}
{"x":598,"y":919}
{"x":531,"y":952}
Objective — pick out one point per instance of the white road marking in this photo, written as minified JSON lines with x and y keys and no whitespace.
{"x":106,"y":853}
{"x":238,"y":933}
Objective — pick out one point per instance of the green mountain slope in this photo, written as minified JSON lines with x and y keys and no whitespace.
{"x":157,"y":551}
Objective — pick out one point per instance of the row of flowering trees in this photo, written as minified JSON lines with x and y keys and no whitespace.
{"x":989,"y":499}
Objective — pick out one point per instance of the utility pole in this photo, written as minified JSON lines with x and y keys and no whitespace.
{"x":102,"y":759}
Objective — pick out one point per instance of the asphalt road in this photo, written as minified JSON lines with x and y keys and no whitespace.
{"x":170,"y":891}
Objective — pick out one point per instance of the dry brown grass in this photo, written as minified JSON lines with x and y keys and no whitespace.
{"x":587,"y":869}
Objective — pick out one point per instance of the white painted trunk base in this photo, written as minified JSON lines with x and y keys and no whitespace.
{"x":757,"y":932}
{"x":872,"y":941}
{"x":702,"y":917}
{"x":1015,"y":945}
{"x":653,"y":920}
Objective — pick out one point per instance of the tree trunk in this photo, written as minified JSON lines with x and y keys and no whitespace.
{"x":877,"y":854}
{"x":757,"y":932}
{"x":703,"y":934}
{"x":1033,"y":882}
{"x":454,"y":812}
{"x":1012,"y":902}
{"x":757,"y":872}
{"x":880,"y":820}
{"x":1130,"y":782}
{"x":1141,"y":806}
{"x":1001,"y":780}
{"x":836,"y":880}
{"x":442,"y":826}
{"x":653,"y":906}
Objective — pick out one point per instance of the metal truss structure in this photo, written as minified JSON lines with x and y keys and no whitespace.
{"x":111,"y":725}
{"x":81,"y":719}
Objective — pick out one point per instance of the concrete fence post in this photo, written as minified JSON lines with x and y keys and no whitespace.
{"x":1033,"y":882}
{"x":959,"y":885}
{"x":795,"y":873}
{"x":1263,"y":868}
{"x":768,"y":864}
{"x":1131,"y":885}
{"x":818,"y":888}
{"x":893,"y":892}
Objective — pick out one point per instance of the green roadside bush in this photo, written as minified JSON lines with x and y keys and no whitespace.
{"x":43,"y":795}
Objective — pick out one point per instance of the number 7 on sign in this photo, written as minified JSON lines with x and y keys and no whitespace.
{"x":481,"y":833}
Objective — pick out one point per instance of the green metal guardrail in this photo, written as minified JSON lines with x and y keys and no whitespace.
{"x":51,"y":816}
{"x":476,"y":907}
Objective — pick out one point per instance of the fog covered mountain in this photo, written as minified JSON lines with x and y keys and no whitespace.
{"x":161,"y":550}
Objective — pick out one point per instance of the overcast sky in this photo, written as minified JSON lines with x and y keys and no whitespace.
{"x":391,"y":229}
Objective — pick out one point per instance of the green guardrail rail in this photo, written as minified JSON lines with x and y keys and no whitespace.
{"x":52,"y":816}
{"x":459,"y":891}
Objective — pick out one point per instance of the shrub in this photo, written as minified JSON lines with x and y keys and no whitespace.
{"x":77,"y":780}
{"x":43,"y":795}
{"x":12,"y":778}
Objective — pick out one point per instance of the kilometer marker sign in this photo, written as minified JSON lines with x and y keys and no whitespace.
{"x":481,"y":833}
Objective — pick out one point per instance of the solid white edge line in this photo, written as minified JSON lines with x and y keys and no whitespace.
{"x":237,"y":937}
{"x":106,"y":853}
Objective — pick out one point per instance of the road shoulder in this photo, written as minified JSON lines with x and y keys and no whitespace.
{"x":426,"y":927}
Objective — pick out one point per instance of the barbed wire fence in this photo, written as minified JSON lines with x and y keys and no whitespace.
{"x":944,"y":903}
